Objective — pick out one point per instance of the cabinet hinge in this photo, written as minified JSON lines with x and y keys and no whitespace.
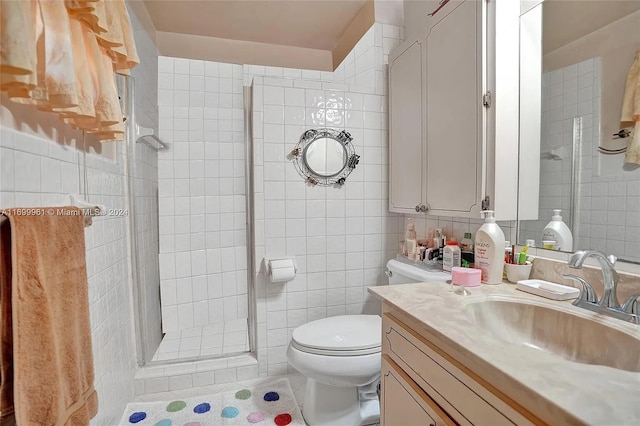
{"x":486,"y":203}
{"x":486,"y":99}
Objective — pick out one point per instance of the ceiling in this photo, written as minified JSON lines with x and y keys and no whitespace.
{"x":567,"y":20}
{"x":314,"y":24}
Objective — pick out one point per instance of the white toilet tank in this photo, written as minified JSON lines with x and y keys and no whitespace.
{"x":403,"y":273}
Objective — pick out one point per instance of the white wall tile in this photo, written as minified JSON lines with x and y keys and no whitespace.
{"x":563,"y":89}
{"x":319,"y":224}
{"x":202,"y":187}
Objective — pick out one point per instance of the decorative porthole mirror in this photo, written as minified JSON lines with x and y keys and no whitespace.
{"x":325,"y":157}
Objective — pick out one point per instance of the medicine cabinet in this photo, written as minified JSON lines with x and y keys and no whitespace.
{"x":447,"y":156}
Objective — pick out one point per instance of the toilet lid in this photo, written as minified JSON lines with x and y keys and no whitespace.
{"x":344,"y":334}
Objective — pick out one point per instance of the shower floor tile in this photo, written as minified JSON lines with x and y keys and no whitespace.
{"x":209,"y":340}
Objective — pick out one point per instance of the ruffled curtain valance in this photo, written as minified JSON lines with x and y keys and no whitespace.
{"x":61,"y":56}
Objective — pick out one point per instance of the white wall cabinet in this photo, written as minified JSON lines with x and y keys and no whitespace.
{"x":441,"y":143}
{"x":406,"y":122}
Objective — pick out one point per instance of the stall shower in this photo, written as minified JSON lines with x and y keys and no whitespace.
{"x":204,"y":224}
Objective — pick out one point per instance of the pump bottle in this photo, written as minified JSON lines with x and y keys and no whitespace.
{"x":558,"y":231}
{"x":489,"y":249}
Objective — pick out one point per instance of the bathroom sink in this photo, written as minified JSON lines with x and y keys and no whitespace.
{"x":570,"y":336}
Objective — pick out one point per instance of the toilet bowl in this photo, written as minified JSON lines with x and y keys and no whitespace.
{"x":341,"y":358}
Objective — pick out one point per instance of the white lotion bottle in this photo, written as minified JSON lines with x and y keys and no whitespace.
{"x":558,"y":231}
{"x":411,"y":239}
{"x":489,"y":249}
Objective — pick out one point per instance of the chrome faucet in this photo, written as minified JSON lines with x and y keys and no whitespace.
{"x":632,"y":305}
{"x":587,"y":293}
{"x":609,"y":274}
{"x":608,"y":303}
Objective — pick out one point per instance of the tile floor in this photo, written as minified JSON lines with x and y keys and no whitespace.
{"x":210,"y":340}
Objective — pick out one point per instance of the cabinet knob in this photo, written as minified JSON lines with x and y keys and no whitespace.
{"x":418,"y":208}
{"x":424,"y":208}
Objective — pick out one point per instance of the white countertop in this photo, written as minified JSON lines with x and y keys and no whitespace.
{"x":555,"y":389}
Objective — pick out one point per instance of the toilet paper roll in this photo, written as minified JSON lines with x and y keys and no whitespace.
{"x":282,"y":270}
{"x":279,"y":275}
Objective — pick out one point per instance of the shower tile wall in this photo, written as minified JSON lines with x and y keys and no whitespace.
{"x":607,"y":208}
{"x":607,"y":202}
{"x":39,"y":166}
{"x":341,"y":238}
{"x":561,"y":97}
{"x":202,"y":193}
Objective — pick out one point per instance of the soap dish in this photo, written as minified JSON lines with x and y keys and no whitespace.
{"x":548,"y":289}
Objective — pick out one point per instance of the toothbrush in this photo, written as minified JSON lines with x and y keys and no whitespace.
{"x":522,"y":259}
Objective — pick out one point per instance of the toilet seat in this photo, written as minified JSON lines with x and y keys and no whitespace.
{"x":345,"y":335}
{"x":330,"y":352}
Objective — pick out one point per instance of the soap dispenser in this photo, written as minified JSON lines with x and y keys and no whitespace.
{"x":558,"y":231}
{"x":489,"y":249}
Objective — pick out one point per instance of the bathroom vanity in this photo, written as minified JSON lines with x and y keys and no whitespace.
{"x":418,"y":378}
{"x":500,"y":356}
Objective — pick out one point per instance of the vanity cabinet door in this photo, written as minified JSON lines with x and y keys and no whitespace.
{"x":463,"y":395}
{"x":453,"y":111}
{"x":406,"y":148}
{"x":404,"y":403}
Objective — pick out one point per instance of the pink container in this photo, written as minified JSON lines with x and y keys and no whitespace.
{"x":468,"y":277}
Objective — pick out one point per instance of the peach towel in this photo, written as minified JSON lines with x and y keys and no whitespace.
{"x":631,"y":110}
{"x":44,"y":289}
{"x":61,"y":56}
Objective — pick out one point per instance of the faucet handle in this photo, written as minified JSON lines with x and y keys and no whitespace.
{"x":613,"y":259}
{"x":576,"y":259}
{"x":632,"y":305}
{"x":587,"y":293}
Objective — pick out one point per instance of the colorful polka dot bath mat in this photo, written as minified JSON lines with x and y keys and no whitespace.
{"x":265,"y":404}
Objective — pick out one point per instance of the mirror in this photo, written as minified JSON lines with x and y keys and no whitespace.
{"x":575,"y":58}
{"x":325,"y":157}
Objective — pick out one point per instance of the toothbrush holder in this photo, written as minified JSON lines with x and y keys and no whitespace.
{"x":517,"y":272}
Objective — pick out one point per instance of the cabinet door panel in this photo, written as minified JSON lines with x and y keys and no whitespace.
{"x":405,"y":128}
{"x":404,"y":403}
{"x":454,"y":111}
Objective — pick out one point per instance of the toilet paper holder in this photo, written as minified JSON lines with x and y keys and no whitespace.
{"x":280,"y":263}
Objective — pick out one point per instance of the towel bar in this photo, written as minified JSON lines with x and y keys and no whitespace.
{"x":89,"y":210}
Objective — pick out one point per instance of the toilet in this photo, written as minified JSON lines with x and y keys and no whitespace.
{"x":403,"y":272}
{"x":340,"y":356}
